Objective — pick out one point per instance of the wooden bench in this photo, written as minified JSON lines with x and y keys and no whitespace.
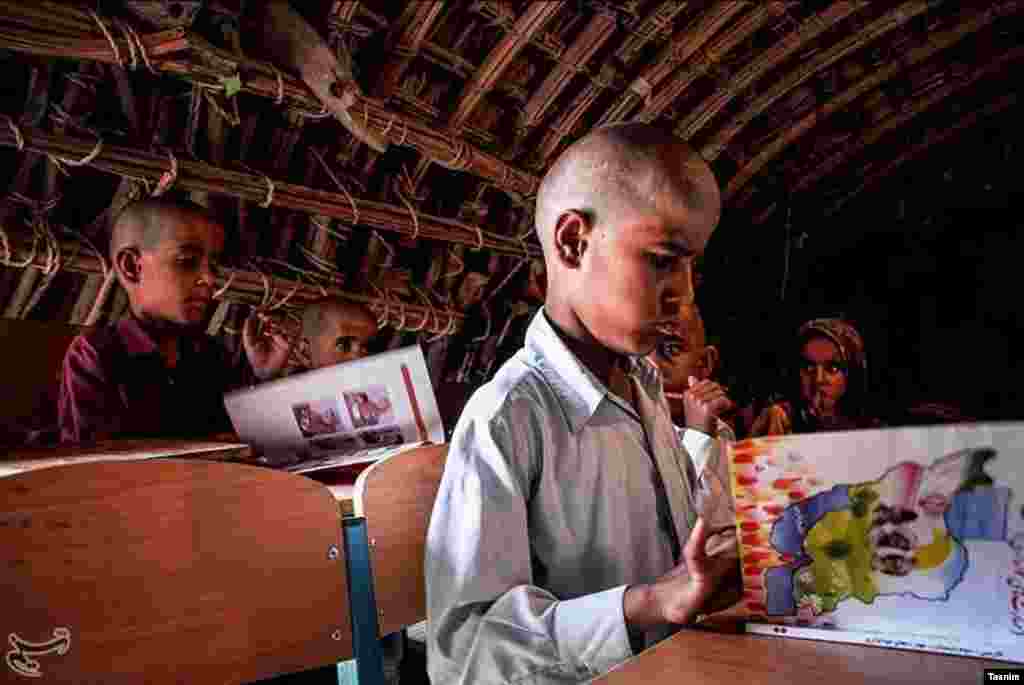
{"x":167,"y":571}
{"x":386,"y":546}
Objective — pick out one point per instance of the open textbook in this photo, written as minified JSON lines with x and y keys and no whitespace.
{"x":360,"y":411}
{"x":910,"y":538}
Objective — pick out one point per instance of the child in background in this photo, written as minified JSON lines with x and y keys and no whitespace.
{"x":337,"y":331}
{"x":685,"y":359}
{"x":156,"y":373}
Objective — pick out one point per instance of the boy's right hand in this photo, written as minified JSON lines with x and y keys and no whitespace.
{"x":679,"y":595}
{"x":703,"y":402}
{"x":267,"y":349}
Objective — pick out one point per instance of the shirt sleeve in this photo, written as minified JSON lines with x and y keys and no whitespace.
{"x":487,"y":620}
{"x":714,"y":496}
{"x":89,"y":404}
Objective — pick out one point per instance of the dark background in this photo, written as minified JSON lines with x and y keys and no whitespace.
{"x":927,"y":265}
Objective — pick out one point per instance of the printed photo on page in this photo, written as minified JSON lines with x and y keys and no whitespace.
{"x":343,"y":414}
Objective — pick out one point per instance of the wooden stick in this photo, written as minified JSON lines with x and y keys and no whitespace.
{"x":246,"y":287}
{"x":193,"y":176}
{"x":56,"y":30}
{"x":936,"y":43}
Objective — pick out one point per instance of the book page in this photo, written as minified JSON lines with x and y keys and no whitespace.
{"x":348,"y":413}
{"x":914,"y":536}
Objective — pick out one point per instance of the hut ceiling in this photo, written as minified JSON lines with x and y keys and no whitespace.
{"x":405,"y":180}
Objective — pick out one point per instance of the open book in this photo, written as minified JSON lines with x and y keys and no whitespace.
{"x":357,"y":412}
{"x":910,"y":538}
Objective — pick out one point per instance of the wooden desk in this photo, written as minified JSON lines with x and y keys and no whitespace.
{"x":700,"y":657}
{"x":31,"y":458}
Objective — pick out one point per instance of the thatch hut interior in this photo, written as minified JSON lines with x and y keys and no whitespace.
{"x":389,"y":153}
{"x":855,"y":143}
{"x":864,"y":152}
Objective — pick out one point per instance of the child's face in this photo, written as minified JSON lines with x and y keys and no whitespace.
{"x":343,"y":338}
{"x":682,"y":353}
{"x":634,"y":279}
{"x":176,"y":277}
{"x":822,"y":375}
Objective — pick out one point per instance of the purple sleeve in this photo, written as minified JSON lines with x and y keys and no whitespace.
{"x":89,"y":404}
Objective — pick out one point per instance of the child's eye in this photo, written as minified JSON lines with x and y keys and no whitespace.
{"x":344,"y":344}
{"x":188,"y":262}
{"x":673,"y":349}
{"x":662,"y":262}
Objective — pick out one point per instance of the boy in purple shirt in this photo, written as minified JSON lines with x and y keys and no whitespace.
{"x":157,"y":373}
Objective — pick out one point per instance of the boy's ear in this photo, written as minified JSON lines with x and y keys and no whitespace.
{"x":128,"y":263}
{"x":711,"y":359}
{"x":571,"y":233}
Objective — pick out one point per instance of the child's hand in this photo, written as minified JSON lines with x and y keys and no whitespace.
{"x":703,"y":403}
{"x":267,"y":350}
{"x":698,"y":584}
{"x":714,"y":577}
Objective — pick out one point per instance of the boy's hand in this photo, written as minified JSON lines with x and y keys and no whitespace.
{"x":681,"y":594}
{"x":703,"y":403}
{"x":267,"y":349}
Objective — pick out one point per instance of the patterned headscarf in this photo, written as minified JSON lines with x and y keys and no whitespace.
{"x":845,"y":337}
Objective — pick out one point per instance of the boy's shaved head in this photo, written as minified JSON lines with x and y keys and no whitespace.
{"x":625,"y":168}
{"x":620,"y":216}
{"x":318,"y":315}
{"x":337,"y":331}
{"x":142,"y":224}
{"x":166,"y":254}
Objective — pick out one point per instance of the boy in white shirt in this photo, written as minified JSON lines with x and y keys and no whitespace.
{"x":565,"y":535}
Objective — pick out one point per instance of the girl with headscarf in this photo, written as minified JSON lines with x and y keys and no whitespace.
{"x":829,"y":387}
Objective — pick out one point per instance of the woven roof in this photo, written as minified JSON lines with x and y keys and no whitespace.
{"x":411,"y":190}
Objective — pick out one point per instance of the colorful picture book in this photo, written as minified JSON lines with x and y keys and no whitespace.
{"x":909,"y":538}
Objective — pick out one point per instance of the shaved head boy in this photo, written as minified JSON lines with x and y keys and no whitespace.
{"x":565,"y":536}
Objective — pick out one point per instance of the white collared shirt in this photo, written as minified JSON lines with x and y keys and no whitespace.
{"x":549,"y":508}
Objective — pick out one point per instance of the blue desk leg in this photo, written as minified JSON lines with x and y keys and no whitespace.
{"x":365,"y":628}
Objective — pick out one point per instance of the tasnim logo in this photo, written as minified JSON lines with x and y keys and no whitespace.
{"x":20,"y":660}
{"x":1016,"y":582}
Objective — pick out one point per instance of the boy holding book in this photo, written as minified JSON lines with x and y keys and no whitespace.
{"x":156,"y":373}
{"x":565,"y":536}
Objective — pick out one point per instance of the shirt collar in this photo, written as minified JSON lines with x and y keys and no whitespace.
{"x":138,"y":341}
{"x":578,"y":390}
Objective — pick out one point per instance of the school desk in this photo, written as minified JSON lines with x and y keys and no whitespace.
{"x":22,"y":459}
{"x":699,"y":657}
{"x":341,"y":483}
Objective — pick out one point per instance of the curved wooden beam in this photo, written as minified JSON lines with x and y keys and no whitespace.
{"x":875,"y":133}
{"x":248,"y":287}
{"x":189,"y":57}
{"x":652,"y":27}
{"x":194,"y":176}
{"x":404,"y":41}
{"x":499,"y":13}
{"x":935,"y":43}
{"x":827,"y":57}
{"x":344,"y":10}
{"x":597,"y":32}
{"x":769,"y":59}
{"x":680,"y":48}
{"x":531,"y":22}
{"x":706,"y":59}
{"x":931,"y":139}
